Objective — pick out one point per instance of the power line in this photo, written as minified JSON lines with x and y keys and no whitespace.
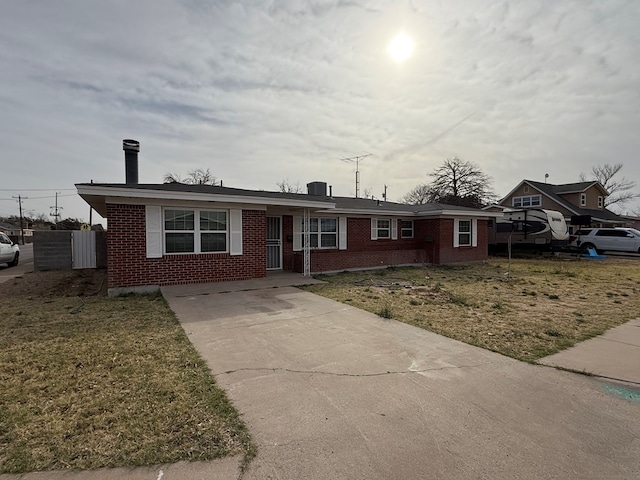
{"x":48,"y":196}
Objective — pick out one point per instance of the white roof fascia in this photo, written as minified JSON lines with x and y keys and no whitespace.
{"x":435,"y":213}
{"x":197,"y":197}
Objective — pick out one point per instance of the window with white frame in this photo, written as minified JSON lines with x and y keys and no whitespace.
{"x":600,"y":202}
{"x":195,"y":231}
{"x":323,"y":232}
{"x":406,"y":229}
{"x":384,"y":228}
{"x":527,"y":201}
{"x":464,"y":233}
{"x":583,"y":199}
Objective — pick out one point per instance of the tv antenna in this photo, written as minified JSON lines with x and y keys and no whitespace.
{"x":357,"y":159}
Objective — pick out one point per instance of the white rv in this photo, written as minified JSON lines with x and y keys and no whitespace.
{"x":529,"y":227}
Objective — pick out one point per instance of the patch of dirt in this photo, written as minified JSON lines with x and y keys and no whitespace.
{"x":73,"y":283}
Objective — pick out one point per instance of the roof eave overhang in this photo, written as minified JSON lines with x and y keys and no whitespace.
{"x":369,"y":212}
{"x":460,"y":213}
{"x":99,"y":194}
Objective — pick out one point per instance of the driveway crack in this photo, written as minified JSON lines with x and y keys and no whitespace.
{"x":339,"y":374}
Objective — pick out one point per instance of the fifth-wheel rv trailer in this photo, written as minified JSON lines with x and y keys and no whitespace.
{"x":530,"y":228}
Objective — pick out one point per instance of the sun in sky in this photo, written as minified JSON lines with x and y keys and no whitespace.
{"x":401,"y":47}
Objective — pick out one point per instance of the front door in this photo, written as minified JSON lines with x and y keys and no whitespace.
{"x":274,"y":243}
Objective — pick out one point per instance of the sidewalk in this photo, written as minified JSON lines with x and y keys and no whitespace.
{"x":614,"y":355}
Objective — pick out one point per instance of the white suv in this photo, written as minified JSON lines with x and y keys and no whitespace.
{"x":9,"y":251}
{"x":602,"y":239}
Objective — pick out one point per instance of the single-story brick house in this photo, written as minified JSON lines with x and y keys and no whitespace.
{"x":164,"y":234}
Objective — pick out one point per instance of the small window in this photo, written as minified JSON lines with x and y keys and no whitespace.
{"x":526,"y":189}
{"x":384,"y":228}
{"x":583,"y":199}
{"x":464,"y":233}
{"x":406,"y":227}
{"x":600,"y":202}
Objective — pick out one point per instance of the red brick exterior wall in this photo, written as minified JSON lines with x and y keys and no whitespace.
{"x":129,"y":267}
{"x":432,"y":242}
{"x":442,"y":249}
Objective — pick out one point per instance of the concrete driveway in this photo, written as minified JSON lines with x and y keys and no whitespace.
{"x":331,"y":391}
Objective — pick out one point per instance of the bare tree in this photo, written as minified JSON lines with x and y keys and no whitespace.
{"x":455,"y":182}
{"x":199,"y":176}
{"x":619,"y":189}
{"x":287,"y":187}
{"x":420,"y":195}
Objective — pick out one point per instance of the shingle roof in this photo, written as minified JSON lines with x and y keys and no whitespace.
{"x":6,"y":226}
{"x":365,"y":205}
{"x":209,"y":189}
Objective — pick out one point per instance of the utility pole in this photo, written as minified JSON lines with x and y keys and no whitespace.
{"x":56,"y":211}
{"x":384,"y":195}
{"x":20,"y":198}
{"x":357,"y":160}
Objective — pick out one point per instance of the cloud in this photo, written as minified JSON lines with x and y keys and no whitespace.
{"x":260,"y":91}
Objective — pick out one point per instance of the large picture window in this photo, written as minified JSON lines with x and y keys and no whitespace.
{"x":323,"y":232}
{"x":195,"y":231}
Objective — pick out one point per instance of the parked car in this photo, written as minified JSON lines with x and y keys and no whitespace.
{"x":9,"y":251}
{"x":616,"y":239}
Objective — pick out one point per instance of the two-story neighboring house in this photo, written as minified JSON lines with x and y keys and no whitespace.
{"x":585,"y":199}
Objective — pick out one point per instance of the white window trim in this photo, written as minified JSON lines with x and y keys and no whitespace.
{"x":474,"y":232}
{"x":341,"y":234}
{"x":600,"y":201}
{"x":412,"y":229}
{"x":375,"y":228}
{"x":583,"y":199}
{"x":196,"y":232}
{"x":530,"y":199}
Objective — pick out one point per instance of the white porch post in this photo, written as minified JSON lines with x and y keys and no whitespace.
{"x":306,"y":248}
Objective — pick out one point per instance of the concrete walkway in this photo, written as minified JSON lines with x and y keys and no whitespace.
{"x":614,"y":354}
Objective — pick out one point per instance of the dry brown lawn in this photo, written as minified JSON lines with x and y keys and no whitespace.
{"x":90,"y":381}
{"x":526,"y":310}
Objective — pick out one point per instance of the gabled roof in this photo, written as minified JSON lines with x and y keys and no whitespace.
{"x":567,"y":188}
{"x":554,"y":192}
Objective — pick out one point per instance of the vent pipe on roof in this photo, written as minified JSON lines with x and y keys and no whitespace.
{"x":131,"y":149}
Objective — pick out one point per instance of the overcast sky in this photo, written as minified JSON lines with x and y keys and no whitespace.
{"x":264,"y":91}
